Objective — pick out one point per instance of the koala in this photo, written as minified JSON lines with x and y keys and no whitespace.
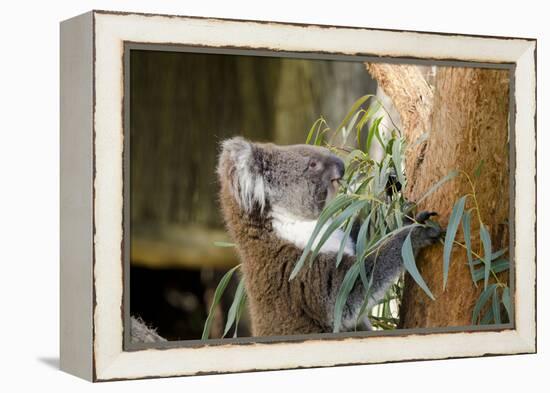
{"x":271,"y":197}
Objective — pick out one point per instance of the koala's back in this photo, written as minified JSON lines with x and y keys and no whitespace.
{"x":278,"y":306}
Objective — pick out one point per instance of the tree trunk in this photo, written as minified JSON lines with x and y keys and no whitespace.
{"x":467,"y":120}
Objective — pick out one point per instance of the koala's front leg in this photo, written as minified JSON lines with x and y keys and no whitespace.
{"x":387,"y":265}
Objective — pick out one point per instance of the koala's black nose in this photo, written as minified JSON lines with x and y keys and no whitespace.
{"x":339,"y":168}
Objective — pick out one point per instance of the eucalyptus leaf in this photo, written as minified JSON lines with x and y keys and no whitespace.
{"x":397,"y":162}
{"x":373,"y":130}
{"x":336,"y":223}
{"x":224,"y":244}
{"x":452,"y":227}
{"x":507,"y":303}
{"x":341,"y":298}
{"x":496,"y":305}
{"x":315,"y":126}
{"x":496,"y":267}
{"x":481,"y":301}
{"x":488,"y":317}
{"x":343,"y":243}
{"x":220,"y":289}
{"x":466,"y":224}
{"x":494,"y":256}
{"x":410,"y":265}
{"x":486,"y":241}
{"x":477,"y":171}
{"x":354,"y":108}
{"x":334,"y":206}
{"x":432,"y":189}
{"x":234,"y":309}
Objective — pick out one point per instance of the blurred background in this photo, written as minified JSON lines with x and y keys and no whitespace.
{"x":181,"y":106}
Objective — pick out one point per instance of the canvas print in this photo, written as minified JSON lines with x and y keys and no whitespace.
{"x":282,"y":197}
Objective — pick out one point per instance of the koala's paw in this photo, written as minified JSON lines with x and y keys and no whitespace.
{"x":425,"y":215}
{"x":429,"y":234}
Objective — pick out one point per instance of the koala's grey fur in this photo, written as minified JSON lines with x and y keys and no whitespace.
{"x":140,"y":332}
{"x":270,"y":197}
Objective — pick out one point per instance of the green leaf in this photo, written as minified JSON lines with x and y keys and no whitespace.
{"x":494,"y":256}
{"x":343,"y":243}
{"x":354,"y":108}
{"x":346,"y":130}
{"x":488,"y":317}
{"x":342,"y":296}
{"x":466,"y":225}
{"x":373,"y":130}
{"x":234,"y":309}
{"x":315,"y":126}
{"x":481,"y":301}
{"x":507,"y":303}
{"x":364,"y":185}
{"x":220,"y":289}
{"x":486,"y":240}
{"x":377,"y":133}
{"x":334,"y":206}
{"x":496,"y":267}
{"x":362,"y":236}
{"x":477,"y":171}
{"x":496,"y":305}
{"x":365,"y":303}
{"x":224,"y":244}
{"x":397,"y":162}
{"x":352,"y":156}
{"x":240,"y":310}
{"x":408,"y":260}
{"x":381,"y":177}
{"x":433,"y":188}
{"x":319,"y":137}
{"x":336,"y":223}
{"x":452,"y":227}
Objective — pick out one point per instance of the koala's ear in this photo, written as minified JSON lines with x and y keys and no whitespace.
{"x":237,"y":166}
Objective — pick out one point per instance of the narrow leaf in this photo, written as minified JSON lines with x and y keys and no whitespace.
{"x":220,"y":289}
{"x":488,"y":317}
{"x":354,"y":108}
{"x":336,"y":204}
{"x":343,"y":243}
{"x":481,"y":301}
{"x":496,"y":267}
{"x":496,"y":305}
{"x":315,"y":126}
{"x":342,"y":296}
{"x":477,"y":171}
{"x":224,"y":244}
{"x":233,"y":310}
{"x":408,"y":260}
{"x":486,"y":240}
{"x":336,"y":223}
{"x":442,"y":181}
{"x":452,"y":227}
{"x":397,"y":162}
{"x":494,"y":256}
{"x":377,"y":133}
{"x":507,"y":303}
{"x":373,"y":130}
{"x":466,"y":225}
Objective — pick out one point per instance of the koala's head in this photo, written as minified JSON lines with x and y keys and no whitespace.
{"x":298,"y":179}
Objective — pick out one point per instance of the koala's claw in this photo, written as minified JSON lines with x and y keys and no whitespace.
{"x":423,"y":216}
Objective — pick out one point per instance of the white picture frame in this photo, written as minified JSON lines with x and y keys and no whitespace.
{"x":92,"y":194}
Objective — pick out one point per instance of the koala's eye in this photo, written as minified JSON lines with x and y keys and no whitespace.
{"x":313,"y":164}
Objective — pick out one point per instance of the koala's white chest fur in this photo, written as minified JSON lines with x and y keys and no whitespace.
{"x":298,"y":232}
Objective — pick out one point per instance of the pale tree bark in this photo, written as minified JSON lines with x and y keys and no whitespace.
{"x":466,"y":117}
